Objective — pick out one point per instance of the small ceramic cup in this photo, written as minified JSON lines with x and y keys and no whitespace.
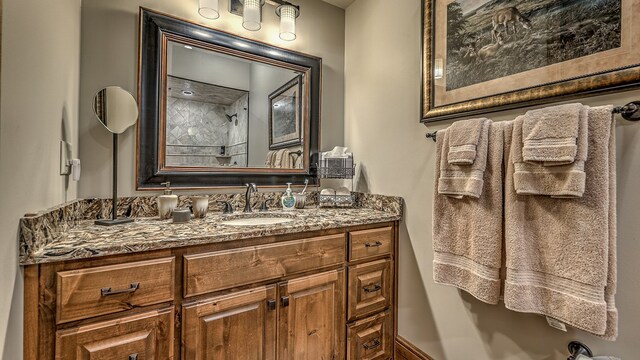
{"x":301,"y":200}
{"x":199,"y":206}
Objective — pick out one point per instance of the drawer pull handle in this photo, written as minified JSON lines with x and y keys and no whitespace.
{"x":133,"y":356}
{"x":271,"y":304}
{"x":132,"y":288}
{"x":375,"y":244}
{"x":285,"y":301}
{"x":372,"y":344}
{"x":372,"y":288}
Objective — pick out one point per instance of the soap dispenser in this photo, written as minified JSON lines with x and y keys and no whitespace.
{"x":167,"y":202}
{"x":288,"y":200}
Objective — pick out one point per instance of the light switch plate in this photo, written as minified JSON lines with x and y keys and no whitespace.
{"x":65,"y":157}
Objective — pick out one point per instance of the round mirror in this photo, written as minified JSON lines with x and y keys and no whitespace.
{"x":116,"y":109}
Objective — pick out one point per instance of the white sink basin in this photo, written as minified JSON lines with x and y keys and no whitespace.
{"x":256,"y":221}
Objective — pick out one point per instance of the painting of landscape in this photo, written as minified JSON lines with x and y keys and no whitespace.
{"x":491,"y":39}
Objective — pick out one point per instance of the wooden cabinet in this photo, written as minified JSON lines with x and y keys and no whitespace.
{"x":321,"y":295}
{"x":312,"y":317}
{"x":147,"y":336}
{"x":237,"y":326}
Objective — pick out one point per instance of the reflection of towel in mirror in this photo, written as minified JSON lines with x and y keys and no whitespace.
{"x":277,"y":163}
{"x":269,"y":160}
{"x":299,"y":162}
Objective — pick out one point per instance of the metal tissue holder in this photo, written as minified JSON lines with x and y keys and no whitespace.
{"x":337,"y":168}
{"x":629,"y":112}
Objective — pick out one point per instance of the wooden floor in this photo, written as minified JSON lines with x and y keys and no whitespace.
{"x":407,"y":351}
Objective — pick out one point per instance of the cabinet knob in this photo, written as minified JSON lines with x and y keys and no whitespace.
{"x":271,"y":304}
{"x":133,"y":356}
{"x":285,"y":301}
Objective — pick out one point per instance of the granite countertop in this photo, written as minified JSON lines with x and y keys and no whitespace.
{"x":79,"y":238}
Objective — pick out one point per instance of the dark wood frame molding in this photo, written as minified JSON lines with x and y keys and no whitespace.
{"x":297,"y":81}
{"x":606,"y":82}
{"x":156,"y":29}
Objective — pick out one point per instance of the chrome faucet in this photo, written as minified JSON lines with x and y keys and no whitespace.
{"x":247,"y":196}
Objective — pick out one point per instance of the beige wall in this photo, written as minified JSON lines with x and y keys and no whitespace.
{"x":382,"y":104}
{"x":109,"y":57}
{"x":40,"y":79}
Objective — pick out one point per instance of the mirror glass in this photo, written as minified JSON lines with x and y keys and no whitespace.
{"x":116,"y":109}
{"x":227,"y":111}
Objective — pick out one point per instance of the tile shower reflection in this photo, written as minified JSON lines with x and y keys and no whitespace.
{"x":218,"y":110}
{"x":207,"y":125}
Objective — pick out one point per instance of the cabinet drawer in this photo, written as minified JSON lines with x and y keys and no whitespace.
{"x":371,"y":338}
{"x":370,"y":243}
{"x":147,"y":336}
{"x":90,"y":292}
{"x":209,"y":272}
{"x":369,"y":288}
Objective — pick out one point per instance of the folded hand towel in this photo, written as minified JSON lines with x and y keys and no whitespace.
{"x":463,"y":180}
{"x":561,"y":255}
{"x":467,"y":233}
{"x":537,"y":179}
{"x":552,"y":135}
{"x":463,"y":140}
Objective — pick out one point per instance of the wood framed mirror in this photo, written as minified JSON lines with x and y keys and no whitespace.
{"x":212,"y":104}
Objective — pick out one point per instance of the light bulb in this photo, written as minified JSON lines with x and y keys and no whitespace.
{"x":288,"y":14}
{"x":208,"y":9}
{"x":251,"y":15}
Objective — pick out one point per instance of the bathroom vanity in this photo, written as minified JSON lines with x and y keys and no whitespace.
{"x":319,"y":286}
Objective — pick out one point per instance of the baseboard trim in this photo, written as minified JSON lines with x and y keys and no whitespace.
{"x":407,"y":351}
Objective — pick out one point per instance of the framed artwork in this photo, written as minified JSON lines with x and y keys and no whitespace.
{"x":487,"y":55}
{"x":285,"y":113}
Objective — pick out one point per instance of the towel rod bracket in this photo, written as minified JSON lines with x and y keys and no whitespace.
{"x":630,"y":112}
{"x":577,"y":348}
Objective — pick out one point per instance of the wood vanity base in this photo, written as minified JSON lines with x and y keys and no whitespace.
{"x":327,"y":294}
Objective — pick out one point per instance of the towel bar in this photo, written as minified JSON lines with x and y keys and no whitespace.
{"x":630,"y":112}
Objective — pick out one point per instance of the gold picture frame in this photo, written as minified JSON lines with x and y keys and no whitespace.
{"x":617,"y":79}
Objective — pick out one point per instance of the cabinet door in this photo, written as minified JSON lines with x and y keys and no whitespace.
{"x":312,"y":318}
{"x":241,"y":325}
{"x":147,"y":336}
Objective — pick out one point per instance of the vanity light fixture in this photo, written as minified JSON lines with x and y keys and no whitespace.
{"x":187,"y":92}
{"x":188,"y":47}
{"x":252,"y":14}
{"x":208,"y":9}
{"x":288,"y":14}
{"x":438,"y":69}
